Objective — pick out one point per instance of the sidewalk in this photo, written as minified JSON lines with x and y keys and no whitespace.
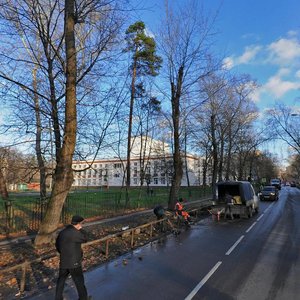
{"x":120,"y":220}
{"x":147,"y":273}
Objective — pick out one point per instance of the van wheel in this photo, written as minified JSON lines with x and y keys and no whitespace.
{"x":250,"y":212}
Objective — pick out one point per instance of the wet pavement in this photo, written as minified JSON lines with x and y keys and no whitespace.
{"x":245,"y":259}
{"x":136,"y":274}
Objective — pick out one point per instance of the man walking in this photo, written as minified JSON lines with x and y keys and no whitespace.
{"x":68,"y":244}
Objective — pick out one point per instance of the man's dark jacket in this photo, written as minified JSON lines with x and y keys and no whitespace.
{"x":68,"y":244}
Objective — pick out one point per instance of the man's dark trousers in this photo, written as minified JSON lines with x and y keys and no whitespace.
{"x":77,"y":276}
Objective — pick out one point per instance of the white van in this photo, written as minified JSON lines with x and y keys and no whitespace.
{"x":246,"y":201}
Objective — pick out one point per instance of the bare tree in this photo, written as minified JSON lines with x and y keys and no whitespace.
{"x":293,"y":169}
{"x":185,"y":39}
{"x":63,"y":171}
{"x":58,"y":75}
{"x":283,"y":123}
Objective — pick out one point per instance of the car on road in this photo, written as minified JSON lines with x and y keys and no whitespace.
{"x":269,"y":192}
{"x":276,"y":182}
{"x":245,"y":199}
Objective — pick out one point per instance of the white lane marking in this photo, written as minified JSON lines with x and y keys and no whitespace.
{"x":234,"y":245}
{"x":269,"y":207}
{"x":251,"y":227}
{"x":203,"y":281}
{"x":260,"y":217}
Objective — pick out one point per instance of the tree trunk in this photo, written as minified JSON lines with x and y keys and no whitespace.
{"x":177,"y":162}
{"x":186,"y":163}
{"x":38,"y":138}
{"x":221,"y":158}
{"x":228,"y":162}
{"x":215,"y":155}
{"x":63,"y":171}
{"x":3,"y":189}
{"x":132,"y":95}
{"x":7,"y":202}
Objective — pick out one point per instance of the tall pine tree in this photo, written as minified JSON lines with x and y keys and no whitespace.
{"x":145,"y":62}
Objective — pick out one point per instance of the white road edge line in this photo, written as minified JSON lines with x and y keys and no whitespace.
{"x":235,"y":244}
{"x":260,"y":217}
{"x":203,"y":281}
{"x":269,"y":207}
{"x":251,"y":227}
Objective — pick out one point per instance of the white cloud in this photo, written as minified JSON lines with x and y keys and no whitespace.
{"x":249,"y":54}
{"x":247,"y":57}
{"x":284,"y":51}
{"x":149,"y":33}
{"x":277,"y":86}
{"x":292,"y":33}
{"x":255,"y":95}
{"x":228,"y":63}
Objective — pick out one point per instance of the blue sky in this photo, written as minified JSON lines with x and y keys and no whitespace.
{"x":257,"y":37}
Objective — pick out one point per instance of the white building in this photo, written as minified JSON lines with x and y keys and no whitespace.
{"x":151,"y":163}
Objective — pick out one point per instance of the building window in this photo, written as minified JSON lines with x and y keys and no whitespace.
{"x":155,"y":180}
{"x":117,"y":166}
{"x":135,"y":181}
{"x":163,"y":181}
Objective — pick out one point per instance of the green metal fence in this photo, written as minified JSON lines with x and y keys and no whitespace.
{"x":24,"y":214}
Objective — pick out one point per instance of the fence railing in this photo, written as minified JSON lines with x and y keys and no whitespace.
{"x":131,"y":234}
{"x":25,"y":215}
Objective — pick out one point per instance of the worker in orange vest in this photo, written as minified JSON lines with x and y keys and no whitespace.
{"x":179,"y":209}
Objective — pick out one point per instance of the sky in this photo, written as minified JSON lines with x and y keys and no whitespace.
{"x":257,"y":37}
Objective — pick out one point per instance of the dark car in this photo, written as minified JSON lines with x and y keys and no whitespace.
{"x":269,"y":192}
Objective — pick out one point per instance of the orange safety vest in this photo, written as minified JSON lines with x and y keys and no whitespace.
{"x":180,"y":211}
{"x":179,"y":206}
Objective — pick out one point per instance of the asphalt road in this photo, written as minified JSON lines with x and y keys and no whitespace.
{"x":243,"y":259}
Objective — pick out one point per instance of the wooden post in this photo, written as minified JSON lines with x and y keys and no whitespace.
{"x":23,"y":277}
{"x":132,"y":238}
{"x":106,"y":249}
